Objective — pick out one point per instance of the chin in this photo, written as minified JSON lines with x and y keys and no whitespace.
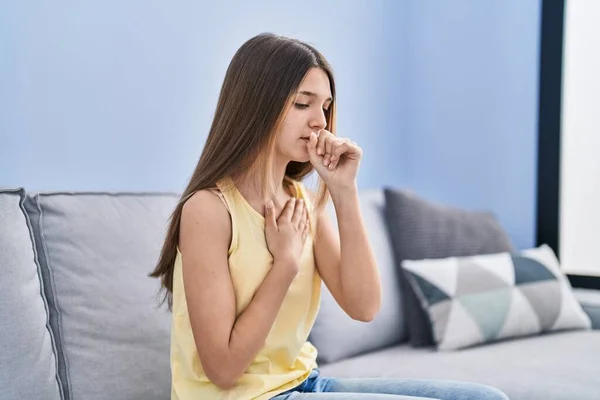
{"x":299,"y":155}
{"x":302,"y":157}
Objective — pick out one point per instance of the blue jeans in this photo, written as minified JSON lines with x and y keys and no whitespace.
{"x":317,"y":387}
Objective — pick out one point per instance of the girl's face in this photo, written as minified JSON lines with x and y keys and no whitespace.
{"x":306,"y":115}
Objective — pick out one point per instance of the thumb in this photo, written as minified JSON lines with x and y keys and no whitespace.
{"x":270,"y":222}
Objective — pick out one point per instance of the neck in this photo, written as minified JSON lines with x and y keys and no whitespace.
{"x":253,"y":184}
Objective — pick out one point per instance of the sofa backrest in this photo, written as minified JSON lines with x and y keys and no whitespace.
{"x":95,"y":252}
{"x":27,"y":356}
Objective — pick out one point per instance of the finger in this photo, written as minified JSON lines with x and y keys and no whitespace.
{"x":350,"y":150}
{"x":338,"y":152}
{"x":305,"y":232}
{"x":333,"y":160}
{"x":327,"y":151}
{"x":339,"y":148}
{"x":270,"y":223}
{"x":287,"y":210}
{"x":321,"y":144}
{"x":329,"y":143}
{"x":302,"y":224}
{"x":315,"y":159}
{"x":298,"y":212}
{"x":304,"y":219}
{"x":307,"y":220}
{"x":312,"y":148}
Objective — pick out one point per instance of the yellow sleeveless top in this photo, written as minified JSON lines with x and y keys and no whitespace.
{"x":287,"y":358}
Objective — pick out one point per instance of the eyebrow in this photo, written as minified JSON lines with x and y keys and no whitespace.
{"x":311,"y":94}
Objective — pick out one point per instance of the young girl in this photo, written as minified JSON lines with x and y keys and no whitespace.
{"x":248,"y":245}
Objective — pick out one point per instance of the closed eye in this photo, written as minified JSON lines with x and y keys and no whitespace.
{"x":303,"y":106}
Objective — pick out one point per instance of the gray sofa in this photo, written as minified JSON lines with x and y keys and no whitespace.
{"x":78,"y":315}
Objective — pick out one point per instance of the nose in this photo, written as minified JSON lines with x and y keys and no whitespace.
{"x":318,"y":120}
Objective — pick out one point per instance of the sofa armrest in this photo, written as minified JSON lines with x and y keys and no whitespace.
{"x":590,"y":302}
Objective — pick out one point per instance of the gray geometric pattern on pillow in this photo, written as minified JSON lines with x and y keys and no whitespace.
{"x":423,"y":229}
{"x":482,"y":299}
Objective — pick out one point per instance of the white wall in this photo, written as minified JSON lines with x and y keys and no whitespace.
{"x":580,"y":176}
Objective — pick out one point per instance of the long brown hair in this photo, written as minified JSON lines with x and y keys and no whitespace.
{"x":259,"y":86}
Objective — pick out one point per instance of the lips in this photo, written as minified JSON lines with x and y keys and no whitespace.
{"x":306,"y":139}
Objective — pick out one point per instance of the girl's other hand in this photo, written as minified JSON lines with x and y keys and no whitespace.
{"x":287,"y":234}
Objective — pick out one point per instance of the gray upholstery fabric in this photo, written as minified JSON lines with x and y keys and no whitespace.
{"x":27,"y":361}
{"x":590,"y":302}
{"x":422,"y":229}
{"x":97,"y":251}
{"x":554,"y":366}
{"x":336,"y":335}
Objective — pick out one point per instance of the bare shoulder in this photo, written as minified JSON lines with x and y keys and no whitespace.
{"x":204,"y":216}
{"x":203,"y":200}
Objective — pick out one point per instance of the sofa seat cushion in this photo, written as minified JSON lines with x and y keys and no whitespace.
{"x":553,"y":366}
{"x":28,"y":367}
{"x":96,"y":251}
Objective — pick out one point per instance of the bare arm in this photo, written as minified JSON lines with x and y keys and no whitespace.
{"x":226,"y":345}
{"x":346,"y":262}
